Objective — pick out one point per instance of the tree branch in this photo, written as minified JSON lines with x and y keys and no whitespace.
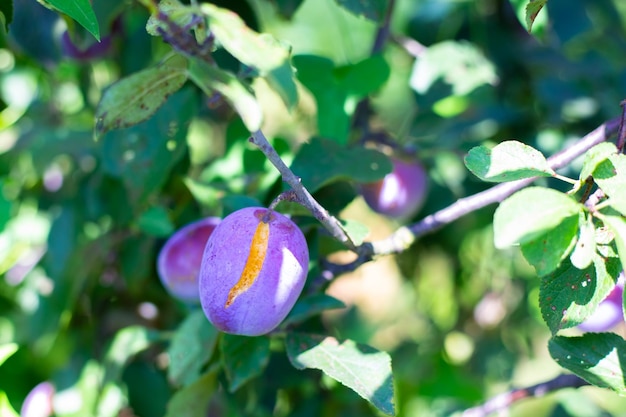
{"x":304,"y":197}
{"x":503,"y":401}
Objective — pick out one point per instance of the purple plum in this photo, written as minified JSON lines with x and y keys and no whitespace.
{"x":93,"y":51}
{"x":180,"y":258}
{"x":608,"y":314}
{"x":39,"y":401}
{"x":253,"y":270}
{"x":401,"y":193}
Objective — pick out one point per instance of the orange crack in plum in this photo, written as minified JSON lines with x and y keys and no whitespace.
{"x":254,"y":263}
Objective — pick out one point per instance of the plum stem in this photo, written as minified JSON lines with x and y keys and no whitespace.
{"x":303,"y":196}
{"x":505,"y":400}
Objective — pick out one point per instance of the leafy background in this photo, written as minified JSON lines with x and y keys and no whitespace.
{"x":82,"y":220}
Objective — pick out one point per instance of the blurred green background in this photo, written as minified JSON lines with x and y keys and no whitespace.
{"x":81,"y":221}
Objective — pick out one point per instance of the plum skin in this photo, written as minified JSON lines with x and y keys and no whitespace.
{"x":276,"y":271}
{"x":179,"y":261}
{"x":401,"y":193}
{"x":39,"y":401}
{"x":609,"y":312}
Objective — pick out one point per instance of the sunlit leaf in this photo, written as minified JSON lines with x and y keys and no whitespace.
{"x":507,"y":161}
{"x":610,"y":175}
{"x":594,"y":156}
{"x":81,"y":11}
{"x":362,"y":368}
{"x":6,"y":409}
{"x":244,"y":358}
{"x":135,"y":98}
{"x":532,"y":10}
{"x":598,"y":358}
{"x":6,"y":350}
{"x":193,"y":400}
{"x":212,"y":79}
{"x":585,"y":248}
{"x":191,"y":347}
{"x":127,"y":342}
{"x":529,"y":213}
{"x":569,"y":295}
{"x":618,"y":226}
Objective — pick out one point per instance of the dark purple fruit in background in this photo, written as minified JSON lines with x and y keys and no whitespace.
{"x":39,"y":401}
{"x":179,"y":261}
{"x":92,"y":51}
{"x":608,"y":314}
{"x":401,"y":193}
{"x":253,"y":270}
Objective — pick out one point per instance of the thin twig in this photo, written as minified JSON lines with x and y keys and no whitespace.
{"x":304,"y":197}
{"x":621,"y":136}
{"x":504,"y":401}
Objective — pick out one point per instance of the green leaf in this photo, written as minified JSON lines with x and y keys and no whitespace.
{"x":585,"y":248}
{"x":364,"y":77}
{"x":610,"y":175}
{"x":211,"y":79}
{"x":569,"y":295}
{"x":507,"y":161}
{"x":532,"y":10}
{"x":191,"y":348}
{"x":143,"y":155}
{"x":81,"y":11}
{"x":370,"y":9}
{"x":529,"y":213}
{"x":356,"y":230}
{"x":595,"y":156}
{"x":260,"y":51}
{"x":310,"y":306}
{"x":618,"y":226}
{"x":244,"y":358}
{"x":6,"y":13}
{"x":6,"y":350}
{"x":598,"y":358}
{"x":321,"y":162}
{"x":6,"y":409}
{"x":135,"y":98}
{"x":546,"y":251}
{"x":155,"y":222}
{"x":127,"y":343}
{"x":193,"y":400}
{"x":362,"y":368}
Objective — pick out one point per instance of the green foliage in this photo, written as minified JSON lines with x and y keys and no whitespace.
{"x":79,"y":10}
{"x":6,"y":13}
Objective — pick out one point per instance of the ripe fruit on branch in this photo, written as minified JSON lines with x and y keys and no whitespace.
{"x":39,"y":401}
{"x":401,"y":193}
{"x":178,"y":264}
{"x":253,"y":270}
{"x":92,"y":51}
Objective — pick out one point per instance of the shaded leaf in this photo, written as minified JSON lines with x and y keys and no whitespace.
{"x":363,"y":77}
{"x":287,"y":8}
{"x":244,"y":358}
{"x":311,"y":306}
{"x":155,"y":222}
{"x":6,"y":13}
{"x":594,"y":156}
{"x":507,"y":161}
{"x":193,"y":400}
{"x":321,"y":162}
{"x":212,"y":79}
{"x":260,"y":51}
{"x":81,"y":11}
{"x":362,"y":368}
{"x":356,"y":230}
{"x":135,"y":98}
{"x":191,"y":348}
{"x":369,"y":9}
{"x":532,"y":10}
{"x":610,"y":175}
{"x":529,"y":213}
{"x":546,"y":251}
{"x":569,"y":295}
{"x":598,"y":358}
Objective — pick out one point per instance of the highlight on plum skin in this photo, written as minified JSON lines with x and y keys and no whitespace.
{"x":253,"y":270}
{"x":609,"y":312}
{"x":39,"y":401}
{"x":401,"y":193}
{"x":179,"y":261}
